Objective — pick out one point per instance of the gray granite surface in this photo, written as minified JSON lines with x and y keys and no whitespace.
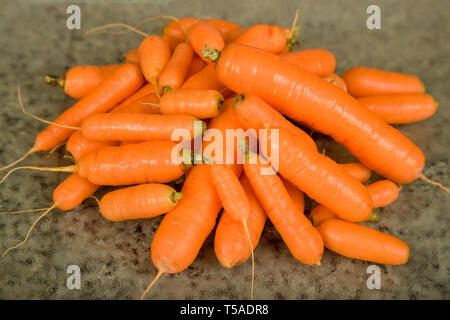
{"x":115,"y":257}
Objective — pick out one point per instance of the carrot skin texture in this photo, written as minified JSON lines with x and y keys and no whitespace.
{"x":334,"y":79}
{"x":178,"y":29}
{"x":144,"y":91}
{"x":139,"y":105}
{"x":132,"y":56}
{"x":135,"y":126}
{"x":174,"y":73}
{"x":223,"y":26}
{"x":296,"y":195}
{"x":199,"y":103}
{"x":269,"y":38}
{"x":321,"y":178}
{"x":79,"y":146}
{"x":357,"y":171}
{"x":302,"y":239}
{"x":253,"y":113}
{"x":205,"y":79}
{"x":310,"y":99}
{"x":363,"y":81}
{"x":144,"y":162}
{"x":196,"y":66}
{"x":122,"y":83}
{"x":230,"y":241}
{"x":82,"y":80}
{"x":184,"y":229}
{"x":171,"y":42}
{"x":321,"y":213}
{"x":359,"y":242}
{"x":72,"y":192}
{"x":383,"y":193}
{"x":138,"y":202}
{"x":401,"y":108}
{"x":317,"y":61}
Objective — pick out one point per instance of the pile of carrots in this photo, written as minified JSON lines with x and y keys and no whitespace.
{"x":214,"y":74}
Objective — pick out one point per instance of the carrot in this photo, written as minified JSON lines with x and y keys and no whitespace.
{"x":401,"y":108}
{"x":120,"y":84}
{"x":382,"y":192}
{"x":317,"y":61}
{"x":206,"y":40}
{"x":132,"y":56}
{"x":151,"y":161}
{"x":144,"y":91}
{"x":254,"y":113}
{"x":172,"y":42}
{"x":359,"y":242}
{"x":230,"y":241}
{"x":82,"y":80}
{"x":320,"y":178}
{"x":223,"y":26}
{"x":309,"y":99}
{"x":174,"y":73}
{"x":183,"y":230}
{"x":197,"y":64}
{"x":139,"y":202}
{"x":334,"y":79}
{"x":154,"y":53}
{"x":234,"y":201}
{"x":205,"y":79}
{"x":66,"y":196}
{"x":230,"y":36}
{"x":136,"y":126}
{"x":225,"y":120}
{"x":145,"y":104}
{"x":178,"y":29}
{"x":263,"y":36}
{"x":79,"y":146}
{"x":196,"y":102}
{"x":363,"y":81}
{"x":296,"y":195}
{"x":302,"y":239}
{"x":357,"y":171}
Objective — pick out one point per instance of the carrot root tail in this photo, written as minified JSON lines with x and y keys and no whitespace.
{"x":434,"y":183}
{"x":55,"y":169}
{"x":253,"y":260}
{"x":116,"y":25}
{"x":158,"y":275}
{"x":29,"y":230}
{"x":23,"y":211}
{"x":12,"y":164}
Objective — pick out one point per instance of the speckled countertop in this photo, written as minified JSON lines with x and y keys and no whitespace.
{"x":114,"y":258}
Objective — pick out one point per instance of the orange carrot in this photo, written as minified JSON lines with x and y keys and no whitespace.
{"x":263,"y":36}
{"x":296,"y":195}
{"x":145,"y":104}
{"x":359,"y":242}
{"x":174,"y":73}
{"x":334,"y":79}
{"x":139,"y":202}
{"x":206,"y":40}
{"x":196,"y":66}
{"x":383,"y":193}
{"x":302,"y":239}
{"x":171,"y":42}
{"x":205,"y":79}
{"x":178,"y":29}
{"x":223,"y":26}
{"x":230,"y":242}
{"x":320,"y":178}
{"x":183,"y":230}
{"x":317,"y":61}
{"x":230,"y":36}
{"x":135,"y":126}
{"x":357,"y":171}
{"x":401,"y":108}
{"x":363,"y":81}
{"x":82,"y":80}
{"x":154,"y":53}
{"x":196,"y":102}
{"x":132,"y":57}
{"x":234,"y":201}
{"x":254,"y":113}
{"x":79,"y":146}
{"x":307,"y":98}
